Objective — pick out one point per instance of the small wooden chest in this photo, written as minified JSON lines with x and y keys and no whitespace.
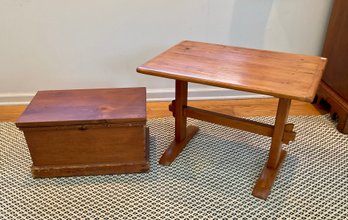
{"x":86,"y":132}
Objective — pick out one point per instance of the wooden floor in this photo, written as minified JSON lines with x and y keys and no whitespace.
{"x":239,"y":108}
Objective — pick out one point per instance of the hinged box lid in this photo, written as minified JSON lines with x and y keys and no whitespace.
{"x":85,"y":106}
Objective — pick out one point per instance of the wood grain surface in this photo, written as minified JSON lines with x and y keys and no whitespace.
{"x":334,"y":86}
{"x":282,"y":75}
{"x":240,"y":108}
{"x":85,"y":106}
{"x":336,"y":49}
{"x":86,"y":132}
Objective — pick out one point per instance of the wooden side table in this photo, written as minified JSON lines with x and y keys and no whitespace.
{"x":283,"y":75}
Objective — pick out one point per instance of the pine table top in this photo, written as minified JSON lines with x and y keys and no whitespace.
{"x":282,"y":75}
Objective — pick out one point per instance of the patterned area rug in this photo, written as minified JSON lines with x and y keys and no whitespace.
{"x":212,"y":179}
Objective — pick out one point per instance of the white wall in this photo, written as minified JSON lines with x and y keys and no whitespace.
{"x":58,"y":44}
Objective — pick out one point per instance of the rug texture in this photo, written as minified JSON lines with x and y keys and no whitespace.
{"x":211,"y":179}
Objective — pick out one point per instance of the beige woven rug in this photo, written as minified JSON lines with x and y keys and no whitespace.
{"x":212,"y":179}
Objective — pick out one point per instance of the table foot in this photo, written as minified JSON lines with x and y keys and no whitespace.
{"x":175,"y":148}
{"x":265,"y":182}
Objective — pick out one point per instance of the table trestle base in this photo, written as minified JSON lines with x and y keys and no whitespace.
{"x":235,"y":122}
{"x":281,"y":133}
{"x":267,"y":177}
{"x":176,"y":147}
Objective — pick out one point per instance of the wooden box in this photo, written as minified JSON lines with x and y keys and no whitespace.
{"x":86,"y":132}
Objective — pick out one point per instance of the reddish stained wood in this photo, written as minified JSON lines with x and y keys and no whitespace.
{"x":239,"y":123}
{"x":267,"y":178}
{"x":86,"y":170}
{"x":92,"y":145}
{"x":85,"y":106}
{"x":180,"y":118}
{"x":334,"y":85}
{"x":176,"y":147}
{"x":279,"y":128}
{"x":86,"y":132}
{"x":183,"y":134}
{"x":96,"y":168}
{"x":276,"y":157}
{"x":336,"y":49}
{"x":338,"y":106}
{"x":282,"y":75}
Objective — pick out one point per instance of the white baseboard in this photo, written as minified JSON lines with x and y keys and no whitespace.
{"x":153,"y":95}
{"x":16,"y":98}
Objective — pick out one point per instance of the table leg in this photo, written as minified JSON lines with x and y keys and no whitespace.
{"x":183,"y":134}
{"x":276,"y":155}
